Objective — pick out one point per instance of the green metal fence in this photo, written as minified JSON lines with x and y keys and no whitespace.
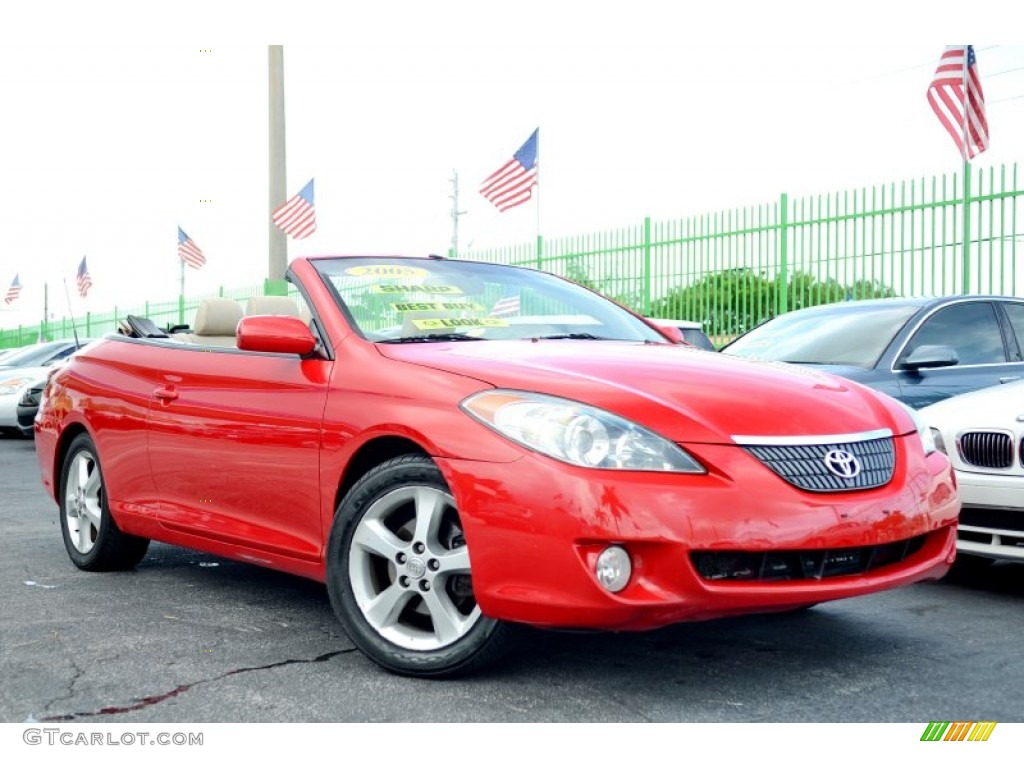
{"x":92,"y":325}
{"x":733,"y":269}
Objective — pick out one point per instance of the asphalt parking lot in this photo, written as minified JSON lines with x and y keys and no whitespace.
{"x":191,"y":638}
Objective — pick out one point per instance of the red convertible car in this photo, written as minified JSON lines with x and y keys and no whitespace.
{"x":457,"y":448}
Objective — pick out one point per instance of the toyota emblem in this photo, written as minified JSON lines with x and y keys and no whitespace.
{"x":842,"y":463}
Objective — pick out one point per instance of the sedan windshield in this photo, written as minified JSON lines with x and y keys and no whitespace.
{"x":841,"y":334}
{"x":37,"y":354}
{"x":408,"y":300}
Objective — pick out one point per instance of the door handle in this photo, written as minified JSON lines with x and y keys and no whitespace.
{"x":1007,"y":379}
{"x":162,"y":393}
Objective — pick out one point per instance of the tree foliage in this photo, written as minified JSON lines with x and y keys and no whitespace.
{"x":733,"y":301}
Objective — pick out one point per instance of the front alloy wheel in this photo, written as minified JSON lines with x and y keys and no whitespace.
{"x":399,"y":574}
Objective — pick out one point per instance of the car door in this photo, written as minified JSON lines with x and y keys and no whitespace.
{"x":234,"y":441}
{"x":986,"y":351}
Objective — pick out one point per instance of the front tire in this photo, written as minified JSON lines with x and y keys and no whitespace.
{"x":91,"y":537}
{"x":399,"y":578}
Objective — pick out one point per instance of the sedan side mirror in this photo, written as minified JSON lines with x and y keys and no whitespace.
{"x":931,"y":356}
{"x":274,"y":333}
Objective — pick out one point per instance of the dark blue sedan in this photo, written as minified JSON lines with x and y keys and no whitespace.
{"x":918,"y":350}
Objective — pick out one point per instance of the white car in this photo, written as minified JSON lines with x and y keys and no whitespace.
{"x":13,"y":384}
{"x":982,"y":433}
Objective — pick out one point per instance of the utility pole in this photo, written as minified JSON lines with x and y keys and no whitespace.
{"x":455,"y":214}
{"x":278,"y":243}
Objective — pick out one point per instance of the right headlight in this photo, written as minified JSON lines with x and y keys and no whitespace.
{"x":576,"y":433}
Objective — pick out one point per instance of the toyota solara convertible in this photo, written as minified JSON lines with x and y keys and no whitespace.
{"x":457,"y":448}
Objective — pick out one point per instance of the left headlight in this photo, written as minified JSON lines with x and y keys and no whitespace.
{"x":576,"y":433}
{"x":10,"y":386}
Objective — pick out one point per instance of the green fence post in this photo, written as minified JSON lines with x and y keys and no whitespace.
{"x":647,"y":265}
{"x":88,"y":323}
{"x":782,"y":305}
{"x":181,"y":309}
{"x":966,"y":287}
{"x":540,"y":252}
{"x":273,"y":287}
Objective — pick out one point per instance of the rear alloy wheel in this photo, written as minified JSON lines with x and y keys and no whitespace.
{"x":91,"y":537}
{"x":399,"y":575}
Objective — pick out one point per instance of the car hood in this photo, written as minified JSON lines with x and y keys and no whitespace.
{"x":854,"y":372}
{"x":998,"y":407}
{"x":680,"y":392}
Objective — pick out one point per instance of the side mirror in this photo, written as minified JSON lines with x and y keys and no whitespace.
{"x":931,"y":356}
{"x":274,"y":333}
{"x":674,"y":334}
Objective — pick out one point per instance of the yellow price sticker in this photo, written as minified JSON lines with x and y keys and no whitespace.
{"x":386,"y":270}
{"x":444,"y":323}
{"x":414,"y":288}
{"x":438,"y":306}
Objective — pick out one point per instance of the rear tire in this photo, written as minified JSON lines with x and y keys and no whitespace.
{"x":398,"y":575}
{"x":91,"y":537}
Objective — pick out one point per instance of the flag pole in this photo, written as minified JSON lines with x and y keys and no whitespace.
{"x":181,"y":293}
{"x":966,"y":278}
{"x":536,"y":181}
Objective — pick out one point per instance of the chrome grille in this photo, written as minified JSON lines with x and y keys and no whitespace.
{"x":993,"y":450}
{"x":804,"y":465}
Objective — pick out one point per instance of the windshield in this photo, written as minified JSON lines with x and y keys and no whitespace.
{"x":408,"y":300}
{"x":37,"y":354}
{"x":841,"y":334}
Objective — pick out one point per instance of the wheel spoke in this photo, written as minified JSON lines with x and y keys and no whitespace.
{"x":93,"y":484}
{"x":374,"y":537}
{"x":448,"y":622}
{"x":91,"y":513}
{"x":81,"y":472}
{"x":430,"y":505}
{"x":85,"y":539}
{"x":454,"y":561}
{"x":383,"y":610}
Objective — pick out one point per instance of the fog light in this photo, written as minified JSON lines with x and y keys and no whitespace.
{"x":613,"y":569}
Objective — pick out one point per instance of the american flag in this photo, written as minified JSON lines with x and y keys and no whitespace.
{"x":84,"y":280}
{"x":188,"y":251}
{"x":951,"y":101}
{"x":513,"y":183}
{"x":13,"y":292}
{"x":505,"y":306}
{"x":297,"y":216}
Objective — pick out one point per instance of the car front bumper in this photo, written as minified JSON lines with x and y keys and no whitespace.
{"x":992,"y":521}
{"x":535,"y":528}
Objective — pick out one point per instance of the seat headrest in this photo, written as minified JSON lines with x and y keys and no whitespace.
{"x":217,"y":317}
{"x":272,"y":305}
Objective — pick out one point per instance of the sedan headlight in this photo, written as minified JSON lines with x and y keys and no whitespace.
{"x":576,"y":433}
{"x":923,"y":430}
{"x":10,"y":386}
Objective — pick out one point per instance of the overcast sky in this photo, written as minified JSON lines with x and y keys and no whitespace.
{"x":643,"y":108}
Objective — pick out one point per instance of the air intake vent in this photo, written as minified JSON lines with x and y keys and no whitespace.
{"x":787,"y":565}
